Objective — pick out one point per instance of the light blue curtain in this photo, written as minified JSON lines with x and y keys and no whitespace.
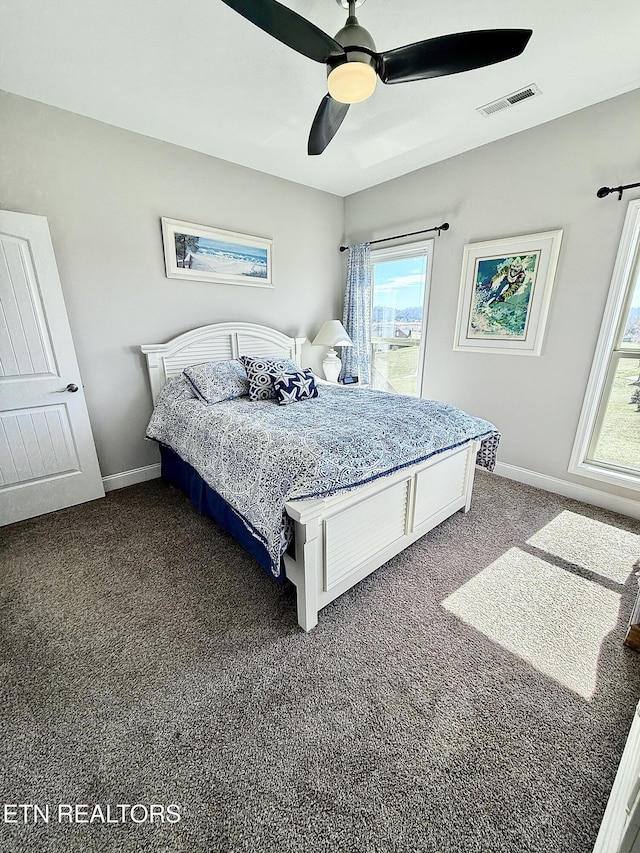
{"x":356,"y":360}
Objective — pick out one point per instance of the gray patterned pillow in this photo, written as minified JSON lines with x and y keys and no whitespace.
{"x":177,"y":389}
{"x":263,"y":371}
{"x":215,"y":381}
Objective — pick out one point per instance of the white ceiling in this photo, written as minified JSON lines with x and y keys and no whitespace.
{"x":197,"y":74}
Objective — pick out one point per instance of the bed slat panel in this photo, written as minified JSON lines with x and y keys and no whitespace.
{"x":260,"y":348}
{"x":218,"y":349}
{"x":439,"y":485}
{"x":359,"y":533}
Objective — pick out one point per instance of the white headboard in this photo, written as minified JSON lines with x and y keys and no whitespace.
{"x":217,"y":342}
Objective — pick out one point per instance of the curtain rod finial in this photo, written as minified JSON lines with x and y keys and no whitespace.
{"x":604,"y":191}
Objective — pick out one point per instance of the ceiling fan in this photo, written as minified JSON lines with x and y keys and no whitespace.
{"x":353,"y":62}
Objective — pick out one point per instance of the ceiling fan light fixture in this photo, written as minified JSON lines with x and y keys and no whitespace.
{"x":353,"y":63}
{"x":352,"y":82}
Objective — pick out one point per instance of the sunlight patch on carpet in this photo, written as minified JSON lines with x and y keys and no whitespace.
{"x":547,"y":616}
{"x":596,"y":546}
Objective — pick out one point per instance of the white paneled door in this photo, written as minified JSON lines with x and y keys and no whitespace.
{"x":47,"y":455}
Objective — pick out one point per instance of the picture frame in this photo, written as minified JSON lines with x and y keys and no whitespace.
{"x":204,"y":253}
{"x":505,"y":294}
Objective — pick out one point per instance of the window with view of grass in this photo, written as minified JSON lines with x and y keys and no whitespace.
{"x":607,"y":445}
{"x":400,"y":292}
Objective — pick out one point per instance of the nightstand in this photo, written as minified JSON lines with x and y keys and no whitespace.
{"x":320,"y":381}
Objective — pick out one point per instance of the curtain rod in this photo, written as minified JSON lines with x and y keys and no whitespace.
{"x":603,"y":192}
{"x":444,"y":227}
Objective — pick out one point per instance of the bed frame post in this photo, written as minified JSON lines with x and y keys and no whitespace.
{"x":474,"y":446}
{"x":307,"y":601}
{"x":303,"y":572}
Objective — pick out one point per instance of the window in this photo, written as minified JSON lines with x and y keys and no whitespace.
{"x":607,"y":445}
{"x":399,"y":297}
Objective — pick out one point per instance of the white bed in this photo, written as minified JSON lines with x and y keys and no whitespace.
{"x":341,"y":539}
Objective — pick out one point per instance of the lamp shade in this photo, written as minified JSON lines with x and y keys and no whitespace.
{"x":332,"y":334}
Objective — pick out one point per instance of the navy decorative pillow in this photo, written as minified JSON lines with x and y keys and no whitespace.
{"x":293,"y":387}
{"x":214,"y":381}
{"x":262,"y":372}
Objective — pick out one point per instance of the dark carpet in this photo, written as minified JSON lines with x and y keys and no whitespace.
{"x":472,"y":695}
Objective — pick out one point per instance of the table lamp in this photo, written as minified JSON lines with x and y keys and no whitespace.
{"x":332,"y":334}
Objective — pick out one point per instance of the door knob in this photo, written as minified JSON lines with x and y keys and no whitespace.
{"x":71,"y":388}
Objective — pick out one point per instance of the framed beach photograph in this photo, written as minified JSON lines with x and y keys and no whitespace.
{"x":505,"y":293}
{"x":202,"y":253}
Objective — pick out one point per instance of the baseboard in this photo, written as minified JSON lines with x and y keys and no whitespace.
{"x":130,"y":478}
{"x":615,"y":503}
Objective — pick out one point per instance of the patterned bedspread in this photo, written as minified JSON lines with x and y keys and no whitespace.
{"x":258,"y":455}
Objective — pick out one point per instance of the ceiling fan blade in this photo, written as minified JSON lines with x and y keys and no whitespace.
{"x":288,"y":27}
{"x":451,"y":54}
{"x":325,"y":125}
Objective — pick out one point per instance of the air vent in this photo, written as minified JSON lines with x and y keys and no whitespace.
{"x":510,"y":100}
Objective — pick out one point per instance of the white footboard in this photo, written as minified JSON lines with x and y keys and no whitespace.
{"x":342,"y":539}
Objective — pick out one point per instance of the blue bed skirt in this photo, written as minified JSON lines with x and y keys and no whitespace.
{"x":208,"y":502}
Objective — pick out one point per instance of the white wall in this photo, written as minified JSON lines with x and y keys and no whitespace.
{"x":541,"y":179}
{"x":104,"y":190}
